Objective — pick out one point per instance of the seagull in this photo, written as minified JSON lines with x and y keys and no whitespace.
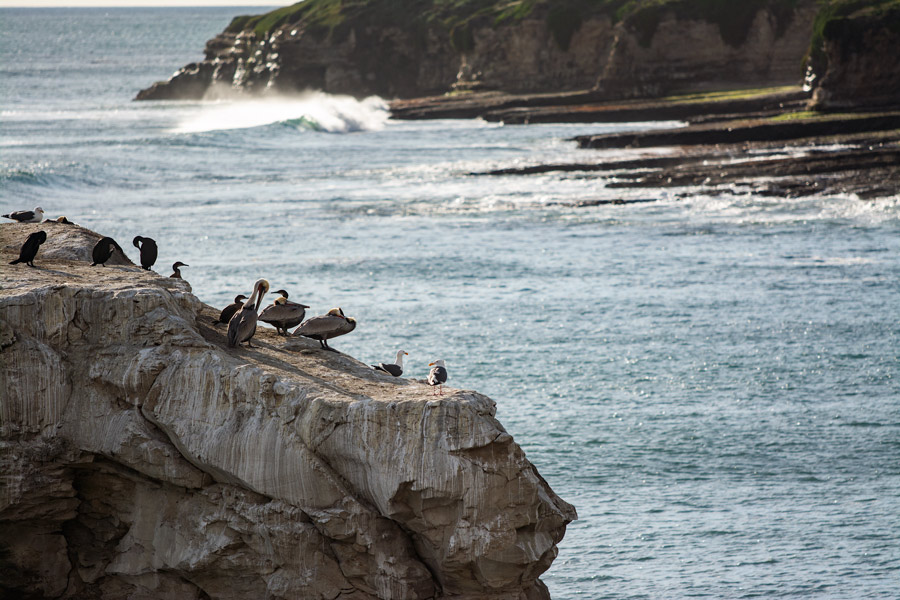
{"x":283,"y":314}
{"x":30,"y":248}
{"x":327,"y":326}
{"x":148,"y":250}
{"x":27,"y":216}
{"x":232,"y":308}
{"x":242,"y":325}
{"x":176,"y":270}
{"x":437,"y":375}
{"x":395,"y":369}
{"x":103,"y":250}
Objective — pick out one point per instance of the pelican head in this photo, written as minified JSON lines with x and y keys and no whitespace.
{"x":260,"y":288}
{"x":62,"y":219}
{"x":280,"y":300}
{"x":336,"y":312}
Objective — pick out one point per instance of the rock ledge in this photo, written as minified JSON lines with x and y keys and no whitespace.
{"x":142,"y":458}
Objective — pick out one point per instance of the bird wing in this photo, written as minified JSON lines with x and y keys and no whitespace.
{"x":277,"y":313}
{"x":394,"y":370}
{"x":320,"y":325}
{"x":437,"y":375}
{"x":241,"y":327}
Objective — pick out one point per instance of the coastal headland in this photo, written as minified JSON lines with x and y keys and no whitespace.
{"x":778,"y":97}
{"x":141,"y":457}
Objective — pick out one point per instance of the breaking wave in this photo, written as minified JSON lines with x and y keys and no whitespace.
{"x":315,"y":111}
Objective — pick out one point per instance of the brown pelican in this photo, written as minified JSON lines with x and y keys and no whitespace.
{"x":176,"y":270}
{"x":62,"y":220}
{"x":232,"y":308}
{"x":27,"y":216}
{"x":437,"y":375}
{"x":103,"y":250}
{"x":30,"y":248}
{"x":148,"y":250}
{"x":283,"y":314}
{"x":242,"y":325}
{"x":327,"y":326}
{"x":395,"y":369}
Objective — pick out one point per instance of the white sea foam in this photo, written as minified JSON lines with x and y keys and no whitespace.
{"x":310,"y":110}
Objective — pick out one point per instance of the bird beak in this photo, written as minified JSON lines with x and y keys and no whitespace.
{"x":304,"y":306}
{"x":406,"y":353}
{"x":430,"y":364}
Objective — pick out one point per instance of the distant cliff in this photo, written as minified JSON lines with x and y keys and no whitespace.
{"x":854,"y":54}
{"x":142,"y":458}
{"x":407,"y":48}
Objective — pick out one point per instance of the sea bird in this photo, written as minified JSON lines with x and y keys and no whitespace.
{"x":30,"y":248}
{"x":103,"y":250}
{"x":327,"y":326}
{"x":232,"y":308}
{"x":148,"y":250}
{"x":283,"y":314}
{"x":438,"y":375}
{"x":395,"y":369}
{"x":27,"y":216}
{"x":242,"y":325}
{"x":176,"y":270}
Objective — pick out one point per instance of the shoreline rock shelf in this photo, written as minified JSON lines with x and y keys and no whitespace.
{"x":143,"y":458}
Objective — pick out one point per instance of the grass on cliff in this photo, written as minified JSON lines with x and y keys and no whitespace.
{"x":563,"y":17}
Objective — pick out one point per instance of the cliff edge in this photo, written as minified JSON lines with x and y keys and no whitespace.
{"x":142,"y":458}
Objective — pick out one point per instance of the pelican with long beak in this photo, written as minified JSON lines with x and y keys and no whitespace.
{"x":395,"y":369}
{"x":327,"y":326}
{"x":242,"y":325}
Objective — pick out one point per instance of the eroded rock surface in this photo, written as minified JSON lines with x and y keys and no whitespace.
{"x":142,"y":458}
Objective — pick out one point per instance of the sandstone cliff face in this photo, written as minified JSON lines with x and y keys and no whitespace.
{"x":860,"y":67}
{"x":392,"y":61}
{"x":365,"y":56}
{"x":141,"y":458}
{"x":686,"y":55}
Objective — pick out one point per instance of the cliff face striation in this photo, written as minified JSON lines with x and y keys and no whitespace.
{"x":142,"y":458}
{"x":408,"y":48}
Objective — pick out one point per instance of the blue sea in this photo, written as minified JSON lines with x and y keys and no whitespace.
{"x":713,"y":380}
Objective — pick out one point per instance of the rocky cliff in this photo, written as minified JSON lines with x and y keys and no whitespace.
{"x":853,"y":56}
{"x":397,"y":48}
{"x":142,"y":458}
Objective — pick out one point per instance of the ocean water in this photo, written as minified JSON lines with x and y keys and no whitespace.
{"x":713,"y":380}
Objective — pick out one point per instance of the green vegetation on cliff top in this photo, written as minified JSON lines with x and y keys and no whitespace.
{"x":834,"y":13}
{"x":563,"y":17}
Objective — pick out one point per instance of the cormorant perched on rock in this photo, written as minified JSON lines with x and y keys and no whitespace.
{"x":395,"y":369}
{"x":30,"y":248}
{"x":232,"y":308}
{"x":327,"y":326}
{"x":27,"y":216}
{"x":176,"y":270}
{"x":438,"y":375}
{"x":242,"y":325}
{"x":283,"y":313}
{"x":148,"y":250}
{"x":104,"y":249}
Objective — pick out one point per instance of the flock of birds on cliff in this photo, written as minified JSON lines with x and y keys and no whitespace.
{"x":242,"y":315}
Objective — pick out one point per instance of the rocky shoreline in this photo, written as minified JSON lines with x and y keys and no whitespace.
{"x":761,"y":142}
{"x":141,"y":457}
